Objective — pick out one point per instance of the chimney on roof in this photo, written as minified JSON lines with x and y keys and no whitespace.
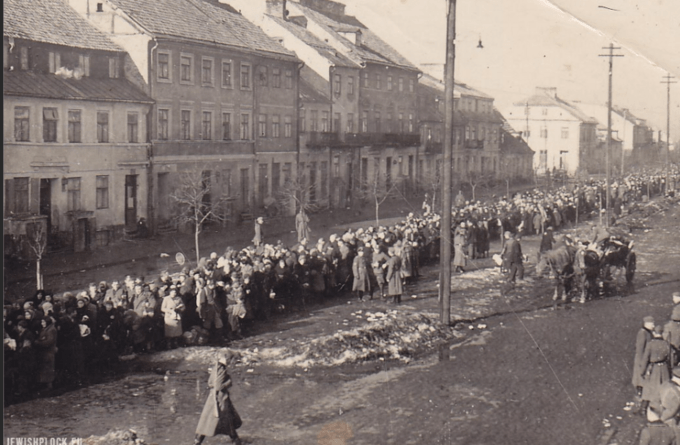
{"x":352,"y":36}
{"x":277,"y":8}
{"x":548,"y":91}
{"x":325,"y":6}
{"x":299,"y":20}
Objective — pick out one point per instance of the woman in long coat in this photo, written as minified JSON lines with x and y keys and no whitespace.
{"x":46,"y":346}
{"x":219,"y":415}
{"x":656,"y":361}
{"x":362,"y":280}
{"x":393,"y":276}
{"x":459,"y":240}
{"x":172,"y":309}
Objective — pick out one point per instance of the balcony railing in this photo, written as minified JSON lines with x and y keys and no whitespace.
{"x":432,"y":147}
{"x":474,"y":143}
{"x":327,"y":139}
{"x":193,"y":147}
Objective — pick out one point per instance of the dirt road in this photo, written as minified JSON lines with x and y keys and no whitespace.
{"x":524,"y":373}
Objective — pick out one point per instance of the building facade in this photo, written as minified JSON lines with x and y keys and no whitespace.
{"x":561,"y":135}
{"x":75,"y":145}
{"x":225,"y":98}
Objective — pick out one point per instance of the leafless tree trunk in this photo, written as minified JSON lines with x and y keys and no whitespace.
{"x":191,"y":197}
{"x":37,"y":241}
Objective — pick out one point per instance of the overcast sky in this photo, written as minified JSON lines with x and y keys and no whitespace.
{"x":529,"y":43}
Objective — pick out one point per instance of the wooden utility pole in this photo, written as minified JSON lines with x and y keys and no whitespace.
{"x":611,"y":56}
{"x":445,"y":248}
{"x":668,"y":80}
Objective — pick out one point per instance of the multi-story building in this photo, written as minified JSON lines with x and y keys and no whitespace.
{"x":371,"y":88}
{"x":225,"y":93}
{"x":476,"y":130}
{"x":561,"y":135}
{"x":75,"y":146}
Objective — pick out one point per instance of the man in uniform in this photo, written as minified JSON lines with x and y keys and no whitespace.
{"x":644,"y":335}
{"x":671,"y":333}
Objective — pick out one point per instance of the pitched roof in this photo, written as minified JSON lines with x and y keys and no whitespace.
{"x":199,"y":20}
{"x":323,"y":48}
{"x":50,"y":86}
{"x":513,"y":144}
{"x":313,"y":87}
{"x":459,"y":89}
{"x":52,"y":21}
{"x":544,"y":100}
{"x":371,"y":49}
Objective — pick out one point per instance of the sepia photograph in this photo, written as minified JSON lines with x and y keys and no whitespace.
{"x":341,"y":222}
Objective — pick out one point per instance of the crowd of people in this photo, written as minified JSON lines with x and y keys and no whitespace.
{"x":64,"y":340}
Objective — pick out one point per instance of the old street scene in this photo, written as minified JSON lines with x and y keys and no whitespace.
{"x":359,"y":222}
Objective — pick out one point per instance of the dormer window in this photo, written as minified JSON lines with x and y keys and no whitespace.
{"x":54,"y":62}
{"x":100,"y":7}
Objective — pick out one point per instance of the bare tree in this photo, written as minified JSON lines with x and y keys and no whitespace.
{"x":295,"y":194}
{"x":36,"y":238}
{"x":196,"y":203}
{"x":378,"y":191}
{"x":431,"y":182}
{"x":476,"y":179}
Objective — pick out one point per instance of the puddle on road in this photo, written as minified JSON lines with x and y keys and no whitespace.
{"x":159,"y":411}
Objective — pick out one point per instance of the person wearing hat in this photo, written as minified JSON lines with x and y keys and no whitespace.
{"x":643,"y":337}
{"x":219,"y":415}
{"x":668,"y":407}
{"x":394,"y":276}
{"x":172,"y":308}
{"x":46,"y":347}
{"x":361,"y":283}
{"x":671,"y":333}
{"x":459,"y":243}
{"x":259,"y":236}
{"x":656,"y":368}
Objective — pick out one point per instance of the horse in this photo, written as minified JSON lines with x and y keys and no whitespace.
{"x":561,"y":263}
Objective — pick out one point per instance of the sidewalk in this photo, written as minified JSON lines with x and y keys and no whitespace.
{"x":67,"y":271}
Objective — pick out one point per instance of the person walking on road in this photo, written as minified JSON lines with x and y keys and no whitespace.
{"x":219,"y":415}
{"x":515,"y":260}
{"x":362,"y":280}
{"x":656,"y":370}
{"x":644,"y":335}
{"x":393,"y":276}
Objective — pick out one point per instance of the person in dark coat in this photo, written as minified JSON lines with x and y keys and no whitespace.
{"x":515,"y":261}
{"x":219,"y":415}
{"x":644,"y":335}
{"x":393,"y":276}
{"x":379,"y":265}
{"x":46,"y":347}
{"x":362,"y":280}
{"x":656,"y":370}
{"x":671,"y":333}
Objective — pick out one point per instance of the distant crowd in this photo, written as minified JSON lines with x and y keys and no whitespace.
{"x":65,"y":339}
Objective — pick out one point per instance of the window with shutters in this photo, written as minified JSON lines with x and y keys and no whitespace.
{"x":102,"y":126}
{"x":289,"y":79}
{"x":102,"y":191}
{"x":207,"y":78}
{"x":276,"y":77}
{"x":163,"y":67}
{"x":314,"y":121}
{"x":226,"y":126}
{"x":21,"y":124}
{"x":21,"y":196}
{"x":303,"y":122}
{"x":73,"y":194}
{"x":276,"y":126}
{"x":133,"y":127}
{"x":186,"y":63}
{"x":262,"y":77}
{"x":74,"y":126}
{"x":245,"y":127}
{"x":114,"y":67}
{"x":206,"y":126}
{"x":288,"y":127}
{"x":50,"y":121}
{"x":185,"y":125}
{"x":262,"y":125}
{"x":245,"y":76}
{"x":227,"y":69}
{"x":163,"y":124}
{"x":325,"y":124}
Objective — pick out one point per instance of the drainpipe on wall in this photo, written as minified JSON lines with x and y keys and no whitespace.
{"x":151,"y":214}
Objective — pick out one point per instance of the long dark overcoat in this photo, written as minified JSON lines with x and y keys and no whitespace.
{"x":219,"y":415}
{"x":362,"y":280}
{"x":394,"y":286}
